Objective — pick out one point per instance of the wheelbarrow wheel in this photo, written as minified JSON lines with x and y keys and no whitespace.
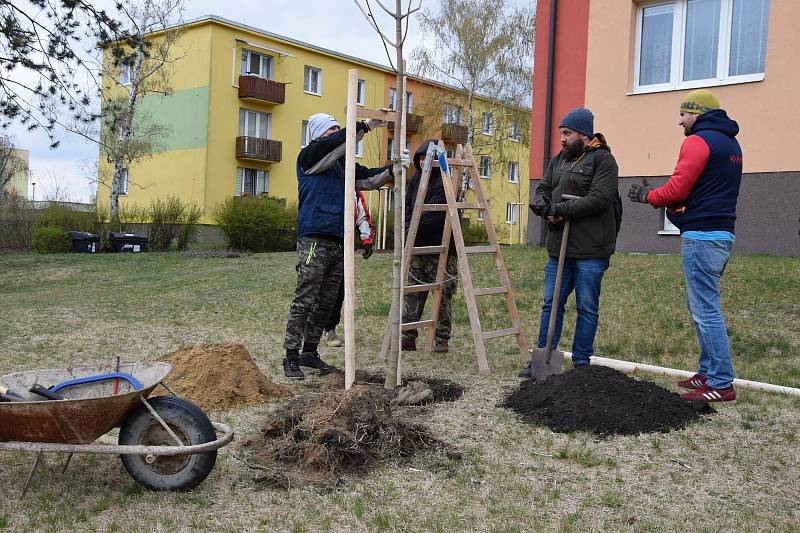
{"x":189,"y":423}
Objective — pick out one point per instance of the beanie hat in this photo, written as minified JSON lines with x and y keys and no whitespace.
{"x":319,"y":123}
{"x":699,"y":102}
{"x":579,"y":119}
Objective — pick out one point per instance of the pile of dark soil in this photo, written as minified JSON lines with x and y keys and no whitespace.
{"x":319,"y":437}
{"x":444,"y":390}
{"x":218,"y":377}
{"x":602,"y":401}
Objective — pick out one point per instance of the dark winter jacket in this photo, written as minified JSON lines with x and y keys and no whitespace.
{"x":592,"y":176}
{"x":431,"y":223}
{"x":320,"y":184}
{"x":702,"y":192}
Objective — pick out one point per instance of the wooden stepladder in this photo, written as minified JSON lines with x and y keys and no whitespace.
{"x":463,"y":160}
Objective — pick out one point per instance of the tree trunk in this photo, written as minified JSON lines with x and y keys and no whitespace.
{"x":395,"y":314}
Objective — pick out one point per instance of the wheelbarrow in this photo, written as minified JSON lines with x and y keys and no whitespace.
{"x":165,"y":442}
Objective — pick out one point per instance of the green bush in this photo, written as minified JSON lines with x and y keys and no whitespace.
{"x":258,"y":224}
{"x":66,"y":219}
{"x":16,"y":222}
{"x":474,"y":233}
{"x":172,"y":220}
{"x":51,"y":240}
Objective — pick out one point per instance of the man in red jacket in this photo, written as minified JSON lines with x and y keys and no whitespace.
{"x":700,"y":198}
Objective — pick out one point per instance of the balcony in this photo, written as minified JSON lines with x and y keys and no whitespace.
{"x":413,"y":123}
{"x":454,"y":132}
{"x":260,"y":89}
{"x":259,"y":149}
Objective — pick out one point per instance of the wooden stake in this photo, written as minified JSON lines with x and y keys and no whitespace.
{"x":349,"y":228}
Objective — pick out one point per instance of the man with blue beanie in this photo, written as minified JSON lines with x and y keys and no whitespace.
{"x":700,"y":198}
{"x":320,"y":236}
{"x":584,"y":168}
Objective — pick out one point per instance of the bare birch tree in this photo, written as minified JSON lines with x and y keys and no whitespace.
{"x":401,"y":19}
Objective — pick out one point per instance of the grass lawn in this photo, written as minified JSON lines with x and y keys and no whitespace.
{"x":737,"y":470}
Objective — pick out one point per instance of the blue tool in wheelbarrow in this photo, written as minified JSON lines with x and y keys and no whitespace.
{"x":165,"y":442}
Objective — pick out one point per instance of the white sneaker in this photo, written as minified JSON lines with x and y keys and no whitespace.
{"x":331,"y":339}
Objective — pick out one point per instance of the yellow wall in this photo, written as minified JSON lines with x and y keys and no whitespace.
{"x":642,"y":129}
{"x":19,"y":181}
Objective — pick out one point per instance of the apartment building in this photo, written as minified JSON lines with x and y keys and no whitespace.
{"x":237,"y":117}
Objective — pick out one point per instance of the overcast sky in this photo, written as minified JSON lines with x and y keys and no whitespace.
{"x":334,"y":24}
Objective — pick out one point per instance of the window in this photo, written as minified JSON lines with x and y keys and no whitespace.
{"x":513,"y":132}
{"x":254,"y":124}
{"x":486,"y":167}
{"x":393,"y":100}
{"x":513,"y":172}
{"x":360,"y":148}
{"x":480,"y":211}
{"x":361,"y":97}
{"x":254,"y":64}
{"x":685,"y":44}
{"x":486,"y":123}
{"x":304,"y":134}
{"x":125,"y":74}
{"x":251,"y":181}
{"x":511,"y":213}
{"x":123,"y":182}
{"x":452,"y":114}
{"x":312,"y":80}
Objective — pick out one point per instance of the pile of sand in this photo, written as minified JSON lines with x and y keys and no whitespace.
{"x":318,"y":437}
{"x":218,"y":377}
{"x":602,"y":401}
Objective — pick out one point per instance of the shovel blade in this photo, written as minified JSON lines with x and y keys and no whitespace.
{"x":541,"y":367}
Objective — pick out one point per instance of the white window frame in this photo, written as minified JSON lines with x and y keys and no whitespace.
{"x":453,"y":114}
{"x":486,"y":123}
{"x":409,"y":102}
{"x":360,"y":148}
{"x":125,"y":74}
{"x":677,"y":54}
{"x":480,"y":211}
{"x":304,"y":134}
{"x":392,"y":99}
{"x":307,"y":83}
{"x":240,"y":173}
{"x":361,"y":93}
{"x":487,"y":175}
{"x":264,"y":58}
{"x":512,"y":213}
{"x":260,"y":117}
{"x":513,"y":132}
{"x":668,"y":227}
{"x":513,"y":171}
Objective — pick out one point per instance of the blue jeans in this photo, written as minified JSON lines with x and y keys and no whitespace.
{"x":703,"y":265}
{"x":584,"y":276}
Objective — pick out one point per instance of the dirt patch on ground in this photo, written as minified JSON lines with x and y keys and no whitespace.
{"x":602,"y":401}
{"x":319,"y":437}
{"x":444,"y":390}
{"x":218,"y":377}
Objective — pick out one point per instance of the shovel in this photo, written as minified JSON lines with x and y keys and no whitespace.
{"x":546,"y":361}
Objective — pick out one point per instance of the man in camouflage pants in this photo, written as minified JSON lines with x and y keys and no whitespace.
{"x":423,"y":267}
{"x":320,"y":236}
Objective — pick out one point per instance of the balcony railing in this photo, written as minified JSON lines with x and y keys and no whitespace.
{"x":256,"y":148}
{"x":261,"y":89}
{"x":413,"y":123}
{"x":454,"y":132}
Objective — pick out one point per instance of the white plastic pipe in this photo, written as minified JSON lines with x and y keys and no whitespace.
{"x":635,"y":368}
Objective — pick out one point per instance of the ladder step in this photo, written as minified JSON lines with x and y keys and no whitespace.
{"x":417,"y":325}
{"x":427,"y":250}
{"x":499,"y":333}
{"x":434,"y":207}
{"x":455,"y":162}
{"x":468,"y":205}
{"x":490,"y":290}
{"x":490,"y":249}
{"x":419,"y":288}
{"x":459,"y":205}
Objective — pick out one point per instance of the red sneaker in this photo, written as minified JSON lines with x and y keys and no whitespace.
{"x":694,"y":382}
{"x":710,"y":394}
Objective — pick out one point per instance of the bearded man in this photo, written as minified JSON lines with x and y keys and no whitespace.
{"x":584,"y":168}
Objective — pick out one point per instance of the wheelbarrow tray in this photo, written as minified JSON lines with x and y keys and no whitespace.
{"x":91,"y":411}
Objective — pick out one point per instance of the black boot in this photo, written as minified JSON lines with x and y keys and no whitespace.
{"x":313,"y":360}
{"x":291,"y":369}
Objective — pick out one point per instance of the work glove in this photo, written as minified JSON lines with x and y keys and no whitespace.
{"x":368,"y":251}
{"x":638,"y":193}
{"x":539,"y":209}
{"x":373,"y":123}
{"x":405,"y":160}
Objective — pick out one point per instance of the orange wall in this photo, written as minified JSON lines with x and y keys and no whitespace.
{"x":642,"y":129}
{"x":569,"y":79}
